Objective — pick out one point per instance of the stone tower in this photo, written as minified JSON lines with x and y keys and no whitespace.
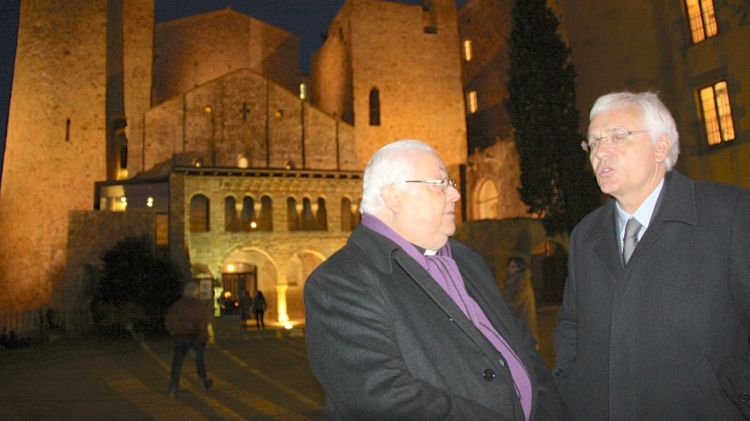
{"x":73,"y":91}
{"x":397,"y":75}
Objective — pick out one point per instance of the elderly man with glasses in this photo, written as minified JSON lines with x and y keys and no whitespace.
{"x":404,"y":323}
{"x":656,"y":311}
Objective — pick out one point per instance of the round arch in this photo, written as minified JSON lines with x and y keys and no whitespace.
{"x":298,"y":268}
{"x":487,"y":200}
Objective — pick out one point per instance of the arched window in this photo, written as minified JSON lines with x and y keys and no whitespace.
{"x":308,"y":216}
{"x":199,"y":213}
{"x":322,"y":215}
{"x":374,"y":107}
{"x":265,"y":222}
{"x":487,"y":200}
{"x":291,"y":214}
{"x":231,"y":223}
{"x":346,"y":214}
{"x":248,"y":214}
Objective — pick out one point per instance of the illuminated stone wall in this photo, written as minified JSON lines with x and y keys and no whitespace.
{"x":194,"y":50}
{"x":55,"y":148}
{"x":658,"y":55}
{"x":497,"y":164}
{"x":486,"y":25}
{"x":244,"y":115}
{"x":411,"y":56}
{"x":284,"y":258}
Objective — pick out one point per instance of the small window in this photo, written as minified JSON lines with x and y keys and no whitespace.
{"x":374,"y":107}
{"x":321,"y":216}
{"x":265,"y":222}
{"x":717,"y":113}
{"x":467,"y":50}
{"x":292,"y":216}
{"x":471,"y":102}
{"x":302,"y":91}
{"x":231,"y":223}
{"x":702,"y":19}
{"x":199,"y":213}
{"x":162,"y":230}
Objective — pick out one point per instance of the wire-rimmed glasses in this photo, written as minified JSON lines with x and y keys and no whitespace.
{"x":615,"y":136}
{"x":444,"y":183}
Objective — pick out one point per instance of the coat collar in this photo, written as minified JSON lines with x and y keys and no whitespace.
{"x":676,"y":205}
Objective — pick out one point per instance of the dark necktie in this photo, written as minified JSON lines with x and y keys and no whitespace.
{"x":631,"y":238}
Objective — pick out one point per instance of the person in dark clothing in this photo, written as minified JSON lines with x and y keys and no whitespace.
{"x":519,"y":294}
{"x":187,"y":324}
{"x":259,"y":307}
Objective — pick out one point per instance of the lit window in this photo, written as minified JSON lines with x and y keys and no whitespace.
{"x":702,"y":19}
{"x":162,"y":230}
{"x":471,"y":99}
{"x":717,"y":113}
{"x":467,"y":50}
{"x":302,"y":91}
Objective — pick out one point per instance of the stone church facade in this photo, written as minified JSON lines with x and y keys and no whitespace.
{"x":202,"y":135}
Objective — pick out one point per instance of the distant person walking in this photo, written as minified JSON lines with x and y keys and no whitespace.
{"x":187,"y":324}
{"x":259,"y":307}
{"x":518,"y":293}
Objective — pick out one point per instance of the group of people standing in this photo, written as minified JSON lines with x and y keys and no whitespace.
{"x":405,"y":322}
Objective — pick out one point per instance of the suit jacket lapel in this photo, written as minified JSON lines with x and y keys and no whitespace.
{"x":605,"y":242}
{"x":676,"y":203}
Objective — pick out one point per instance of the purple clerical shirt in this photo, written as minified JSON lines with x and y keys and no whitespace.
{"x":443,"y":269}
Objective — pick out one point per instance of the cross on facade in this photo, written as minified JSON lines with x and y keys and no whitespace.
{"x":244,"y":110}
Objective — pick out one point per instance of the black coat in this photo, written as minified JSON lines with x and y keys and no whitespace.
{"x":666,"y":337}
{"x":386,"y":342}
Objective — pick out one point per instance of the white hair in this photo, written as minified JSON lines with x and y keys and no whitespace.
{"x":657,"y":117}
{"x":390,"y":164}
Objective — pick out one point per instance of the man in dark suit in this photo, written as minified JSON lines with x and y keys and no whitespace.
{"x":655,"y":317}
{"x":405,"y":323}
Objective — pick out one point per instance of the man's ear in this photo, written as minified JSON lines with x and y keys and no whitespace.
{"x":663,"y":146}
{"x":391,"y":198}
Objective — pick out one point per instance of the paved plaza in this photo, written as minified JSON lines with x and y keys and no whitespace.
{"x":257,"y":376}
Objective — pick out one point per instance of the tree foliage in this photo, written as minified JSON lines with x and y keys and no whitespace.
{"x":134,"y":285}
{"x":555,"y":181}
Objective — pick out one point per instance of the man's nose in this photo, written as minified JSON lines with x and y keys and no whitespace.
{"x":452,"y":193}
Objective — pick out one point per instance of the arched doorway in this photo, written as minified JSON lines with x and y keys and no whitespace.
{"x":298,"y":268}
{"x":265,"y":276}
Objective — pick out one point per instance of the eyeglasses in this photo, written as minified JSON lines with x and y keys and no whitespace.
{"x":444,"y":183}
{"x":614,"y":136}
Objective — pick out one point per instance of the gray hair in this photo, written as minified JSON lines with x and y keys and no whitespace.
{"x":657,"y":117}
{"x":390,"y":164}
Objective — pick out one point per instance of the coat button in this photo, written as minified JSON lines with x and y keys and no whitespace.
{"x":744,"y":397}
{"x":488,"y":375}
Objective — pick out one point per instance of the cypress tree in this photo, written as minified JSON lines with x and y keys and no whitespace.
{"x":555,"y":180}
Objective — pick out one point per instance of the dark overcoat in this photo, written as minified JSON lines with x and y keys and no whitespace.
{"x":664,"y":337}
{"x":387,"y":343}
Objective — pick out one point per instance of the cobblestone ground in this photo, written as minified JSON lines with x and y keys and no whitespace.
{"x":257,"y":376}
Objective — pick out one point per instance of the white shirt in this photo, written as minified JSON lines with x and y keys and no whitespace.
{"x":642,"y":214}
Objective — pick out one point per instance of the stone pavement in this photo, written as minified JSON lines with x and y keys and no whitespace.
{"x":258,"y":375}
